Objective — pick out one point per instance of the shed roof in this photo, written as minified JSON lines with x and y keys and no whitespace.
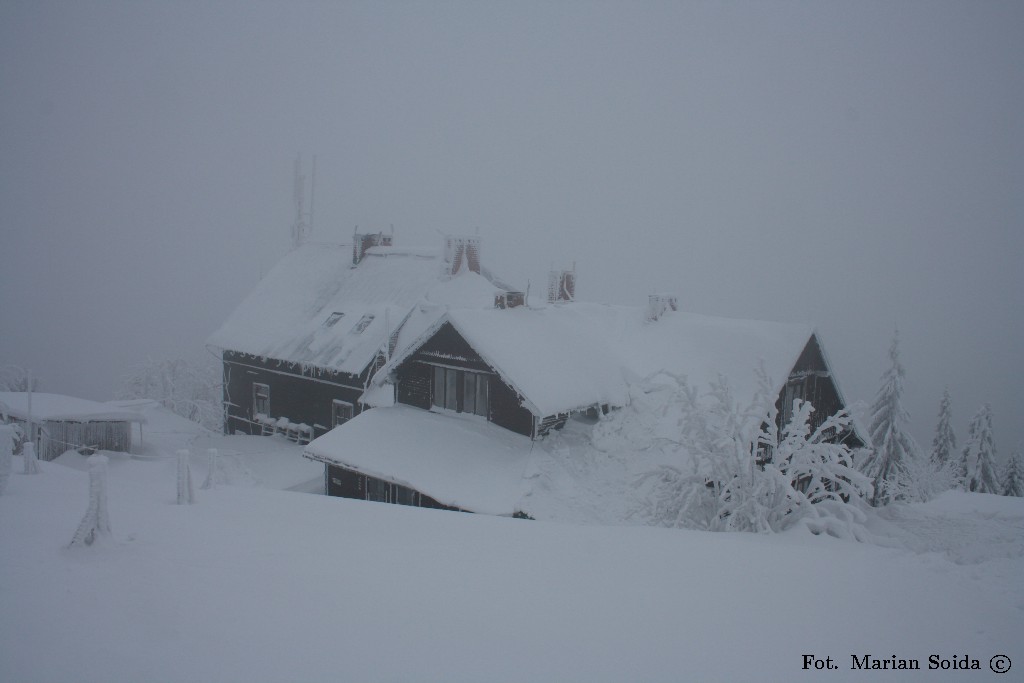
{"x":59,"y":408}
{"x":461,"y":461}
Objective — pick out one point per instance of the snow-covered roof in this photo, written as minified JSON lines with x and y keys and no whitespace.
{"x":59,"y":408}
{"x":570,"y":356}
{"x":458,"y":460}
{"x":315,"y":308}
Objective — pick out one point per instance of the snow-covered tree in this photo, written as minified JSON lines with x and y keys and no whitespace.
{"x":892,"y":446}
{"x":96,"y":523}
{"x":920,"y":479}
{"x":944,"y":443}
{"x":192,"y":390}
{"x":1013,"y":479}
{"x":736,"y":478}
{"x":28,"y":454}
{"x":186,"y":494}
{"x":977,"y":462}
{"x":17,"y":378}
{"x":8,"y":438}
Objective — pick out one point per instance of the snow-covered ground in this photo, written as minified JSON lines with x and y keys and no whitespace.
{"x":255,"y":582}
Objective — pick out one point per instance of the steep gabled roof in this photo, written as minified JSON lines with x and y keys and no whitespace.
{"x":315,"y":308}
{"x":566,"y":357}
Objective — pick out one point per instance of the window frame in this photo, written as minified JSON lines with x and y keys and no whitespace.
{"x":338,"y":403}
{"x":258,"y":399}
{"x":363,"y":323}
{"x":449,"y":386}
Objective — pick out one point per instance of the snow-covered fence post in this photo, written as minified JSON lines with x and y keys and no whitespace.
{"x":7,"y":437}
{"x":186,"y":494}
{"x":96,"y":523}
{"x":28,"y":453}
{"x":211,"y":476}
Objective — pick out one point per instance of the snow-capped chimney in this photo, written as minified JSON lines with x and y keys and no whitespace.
{"x":363,"y":241}
{"x":660,"y":304}
{"x":509,"y":299}
{"x":562,"y":285}
{"x":461,"y":251}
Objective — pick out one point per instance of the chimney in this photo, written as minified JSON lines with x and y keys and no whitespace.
{"x":363,"y":241}
{"x":660,"y":304}
{"x":509,"y":299}
{"x":562,"y":285}
{"x":461,"y":251}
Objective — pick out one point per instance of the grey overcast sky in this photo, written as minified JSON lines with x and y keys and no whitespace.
{"x":857,"y":165}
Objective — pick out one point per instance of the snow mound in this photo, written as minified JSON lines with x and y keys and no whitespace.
{"x":966,"y":528}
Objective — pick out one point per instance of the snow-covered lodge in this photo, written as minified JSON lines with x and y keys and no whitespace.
{"x":464,"y":375}
{"x":59,"y":423}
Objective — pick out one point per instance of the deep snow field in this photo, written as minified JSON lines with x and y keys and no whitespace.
{"x":260,"y":580}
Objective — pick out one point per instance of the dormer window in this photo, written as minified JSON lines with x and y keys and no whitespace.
{"x":333,"y":319}
{"x":363,"y":323}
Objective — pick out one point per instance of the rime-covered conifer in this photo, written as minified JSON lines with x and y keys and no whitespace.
{"x":28,"y":454}
{"x":977,"y":462}
{"x":893,"y":448}
{"x":944,"y":443}
{"x":760,"y":480}
{"x":186,"y":494}
{"x":8,"y":436}
{"x":213,"y":475}
{"x":1013,"y":479}
{"x":96,"y":523}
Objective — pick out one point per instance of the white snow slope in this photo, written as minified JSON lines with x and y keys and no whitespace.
{"x":254,"y":584}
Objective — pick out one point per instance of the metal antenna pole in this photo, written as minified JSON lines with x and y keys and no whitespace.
{"x":312,"y":195}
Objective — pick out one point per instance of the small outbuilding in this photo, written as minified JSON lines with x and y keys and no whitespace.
{"x":60,"y":423}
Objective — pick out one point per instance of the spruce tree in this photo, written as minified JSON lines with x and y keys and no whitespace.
{"x":1013,"y":479}
{"x":977,"y":462}
{"x":8,"y":436}
{"x":944,"y":444}
{"x":893,"y":447}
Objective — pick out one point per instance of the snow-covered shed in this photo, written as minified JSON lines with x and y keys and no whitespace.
{"x":299,"y":351}
{"x":60,"y":423}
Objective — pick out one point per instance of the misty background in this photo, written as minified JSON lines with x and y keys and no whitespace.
{"x":855,"y":165}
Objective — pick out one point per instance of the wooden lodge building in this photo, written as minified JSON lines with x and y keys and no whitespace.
{"x":464,"y":375}
{"x":299,"y":351}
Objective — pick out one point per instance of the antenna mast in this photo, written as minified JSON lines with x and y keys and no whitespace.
{"x":312,"y":195}
{"x":300,"y":229}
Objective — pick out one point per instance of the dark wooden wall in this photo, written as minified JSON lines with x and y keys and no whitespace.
{"x":811,"y":380}
{"x":448,"y":347}
{"x":301,"y":394}
{"x":506,"y":409}
{"x":414,"y":380}
{"x":346,"y":483}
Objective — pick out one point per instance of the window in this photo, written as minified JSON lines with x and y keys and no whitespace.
{"x":793,"y":391}
{"x":341,"y":412}
{"x":462,"y":391}
{"x":333,"y":319}
{"x":363,"y":323}
{"x":260,"y":399}
{"x":474,"y":393}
